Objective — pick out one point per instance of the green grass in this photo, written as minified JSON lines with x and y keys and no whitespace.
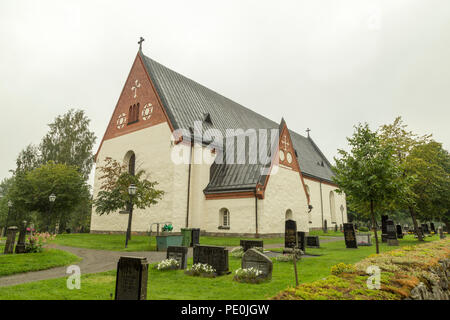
{"x":116,"y":242}
{"x":25,"y":262}
{"x":177,"y":285}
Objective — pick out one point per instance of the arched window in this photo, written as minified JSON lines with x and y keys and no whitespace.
{"x":133,"y":113}
{"x":332,"y":207}
{"x":130,"y":161}
{"x":288,"y":214}
{"x":224,"y":218}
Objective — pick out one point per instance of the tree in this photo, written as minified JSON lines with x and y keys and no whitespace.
{"x":403,"y":141}
{"x":31,"y":191}
{"x":70,"y":142}
{"x":367,"y":174}
{"x":28,"y":159}
{"x":113,"y":194}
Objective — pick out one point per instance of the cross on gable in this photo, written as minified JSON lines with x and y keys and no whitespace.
{"x":285,"y":142}
{"x":140,"y":43}
{"x":135,"y":87}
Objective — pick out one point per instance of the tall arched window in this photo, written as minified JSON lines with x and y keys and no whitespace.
{"x":132,"y":164}
{"x":332,"y":207}
{"x":224,"y":218}
{"x":288,"y":214}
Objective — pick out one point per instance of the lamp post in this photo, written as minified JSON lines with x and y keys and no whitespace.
{"x":10,"y":204}
{"x":131,"y":191}
{"x":52,"y":199}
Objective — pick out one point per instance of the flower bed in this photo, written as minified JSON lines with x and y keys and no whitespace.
{"x":36,"y":242}
{"x":249,"y":275}
{"x":202,"y":270}
{"x":167,"y":264}
{"x":405,"y":274}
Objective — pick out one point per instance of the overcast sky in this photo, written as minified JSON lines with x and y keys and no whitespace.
{"x":326,"y":65}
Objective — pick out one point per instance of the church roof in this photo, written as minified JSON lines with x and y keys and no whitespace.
{"x":187,"y":101}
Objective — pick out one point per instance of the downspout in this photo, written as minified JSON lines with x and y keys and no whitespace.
{"x":321,"y":201}
{"x":189,"y":177}
{"x":256,"y":215}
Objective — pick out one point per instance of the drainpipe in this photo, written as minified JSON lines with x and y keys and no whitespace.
{"x":321,"y":201}
{"x":189,"y":176}
{"x":256,"y":214}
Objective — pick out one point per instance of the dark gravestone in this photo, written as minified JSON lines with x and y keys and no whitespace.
{"x":335,"y":227}
{"x":215,"y":256}
{"x":384,"y":218}
{"x":20,"y":246}
{"x":301,"y":237}
{"x":350,"y":236}
{"x":290,"y":234}
{"x":432,"y":227}
{"x":399,"y":232}
{"x":425,"y":229}
{"x":252,"y":258}
{"x":195,"y":236}
{"x":131,"y":279}
{"x":248,"y":244}
{"x":419,"y":231}
{"x":312,"y":242}
{"x":178,"y":253}
{"x":325,"y":226}
{"x":391,"y":233}
{"x":10,"y":240}
{"x":441,"y":233}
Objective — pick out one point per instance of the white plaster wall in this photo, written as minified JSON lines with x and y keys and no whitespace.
{"x":153,"y":148}
{"x":284,"y":191}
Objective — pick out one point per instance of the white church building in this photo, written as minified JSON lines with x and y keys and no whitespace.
{"x":171,"y":127}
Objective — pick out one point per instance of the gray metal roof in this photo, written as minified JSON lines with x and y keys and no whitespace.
{"x":187,"y":101}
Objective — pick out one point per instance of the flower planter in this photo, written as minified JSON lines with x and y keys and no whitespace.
{"x":164,"y":241}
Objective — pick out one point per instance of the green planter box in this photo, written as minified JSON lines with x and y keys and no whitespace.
{"x":164,"y":241}
{"x":187,"y":236}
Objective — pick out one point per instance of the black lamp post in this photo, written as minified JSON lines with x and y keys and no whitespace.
{"x":10,"y":204}
{"x":52,"y":199}
{"x":131,"y":191}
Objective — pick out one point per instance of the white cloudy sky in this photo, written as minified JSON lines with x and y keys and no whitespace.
{"x":322,"y":64}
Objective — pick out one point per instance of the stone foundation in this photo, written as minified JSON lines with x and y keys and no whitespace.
{"x":435,"y":287}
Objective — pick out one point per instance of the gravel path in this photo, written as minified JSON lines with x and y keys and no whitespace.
{"x":101,"y":260}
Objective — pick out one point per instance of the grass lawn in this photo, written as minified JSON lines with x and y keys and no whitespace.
{"x":176,"y":285}
{"x":49,"y":258}
{"x":116,"y":242}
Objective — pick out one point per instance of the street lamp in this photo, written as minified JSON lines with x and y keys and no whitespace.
{"x":132,"y":192}
{"x":52,"y":199}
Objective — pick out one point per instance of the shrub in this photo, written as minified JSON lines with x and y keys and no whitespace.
{"x":201,"y":269}
{"x":36,"y":242}
{"x":249,"y":275}
{"x":363,"y":229}
{"x":341,"y":268}
{"x":167,"y":264}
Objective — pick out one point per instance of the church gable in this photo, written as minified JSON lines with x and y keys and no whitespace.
{"x":138,"y":107}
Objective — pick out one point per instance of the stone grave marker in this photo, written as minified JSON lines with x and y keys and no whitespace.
{"x":312,"y":242}
{"x":384,"y":218}
{"x":363,"y":239}
{"x":399,"y":231}
{"x":131,"y":278}
{"x":10,"y":239}
{"x":20,"y":246}
{"x":391,"y":233}
{"x":215,"y":256}
{"x":252,"y":258}
{"x":432,"y":227}
{"x":178,"y":253}
{"x":425,"y":229}
{"x":335,"y":227}
{"x":350,"y":236}
{"x":301,"y":237}
{"x":248,"y":244}
{"x":441,"y":233}
{"x":195,"y":236}
{"x":325,"y":226}
{"x":290,"y":234}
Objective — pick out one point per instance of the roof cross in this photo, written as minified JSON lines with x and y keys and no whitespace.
{"x":140,"y":43}
{"x":285,"y":143}
{"x":307,"y":131}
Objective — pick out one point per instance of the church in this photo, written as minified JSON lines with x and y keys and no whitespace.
{"x":224,"y":168}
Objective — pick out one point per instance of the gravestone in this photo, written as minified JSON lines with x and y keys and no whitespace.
{"x":20,"y":246}
{"x":391,"y":233}
{"x":290,"y":234}
{"x":419,"y":231}
{"x":425,"y":229}
{"x":195,"y":236}
{"x":350,"y":236}
{"x":335,"y":227}
{"x":178,"y":253}
{"x":248,"y":244}
{"x":312,"y":242}
{"x":301,"y":238}
{"x":432,"y":227}
{"x":10,"y":240}
{"x":363,"y":239}
{"x":399,"y":232}
{"x":187,"y":237}
{"x":215,"y":256}
{"x":131,"y":278}
{"x":252,"y":258}
{"x":325,"y":226}
{"x":384,"y":218}
{"x":441,"y":233}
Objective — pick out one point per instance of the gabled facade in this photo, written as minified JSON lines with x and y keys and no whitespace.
{"x":162,"y":117}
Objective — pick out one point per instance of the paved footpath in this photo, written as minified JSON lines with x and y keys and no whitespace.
{"x":99,"y":261}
